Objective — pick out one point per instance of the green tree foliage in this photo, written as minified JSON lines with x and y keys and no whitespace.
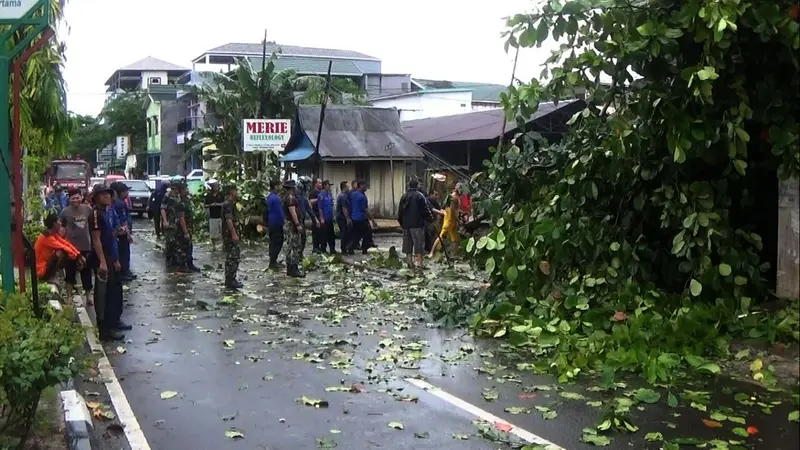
{"x":231,"y":99}
{"x":628,"y":246}
{"x":90,"y":135}
{"x":46,"y":126}
{"x":124,"y":115}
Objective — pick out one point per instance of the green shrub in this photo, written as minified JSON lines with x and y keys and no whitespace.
{"x":35,"y":353}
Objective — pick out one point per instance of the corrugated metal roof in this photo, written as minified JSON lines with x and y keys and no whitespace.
{"x":481,"y":92}
{"x":357,"y":132}
{"x":311,"y":65}
{"x":154,"y":64}
{"x":474,"y":126}
{"x":237,"y":48}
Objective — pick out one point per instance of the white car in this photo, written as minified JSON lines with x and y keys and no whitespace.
{"x":196,"y":174}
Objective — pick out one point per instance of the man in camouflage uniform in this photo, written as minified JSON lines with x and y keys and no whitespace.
{"x":230,"y":238}
{"x":188,"y":215}
{"x":293,"y":229}
{"x":174,"y":224}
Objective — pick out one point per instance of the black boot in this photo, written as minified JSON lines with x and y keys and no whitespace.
{"x":293,"y":271}
{"x":233,"y":283}
{"x":108,"y":334}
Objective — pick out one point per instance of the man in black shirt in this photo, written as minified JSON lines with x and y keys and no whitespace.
{"x":213,"y":201}
{"x":413,"y":214}
{"x":316,"y":237}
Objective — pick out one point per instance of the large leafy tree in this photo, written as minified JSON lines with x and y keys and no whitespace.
{"x":90,"y":135}
{"x":123,"y":115}
{"x":633,"y":243}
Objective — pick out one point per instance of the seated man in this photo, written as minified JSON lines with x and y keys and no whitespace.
{"x":53,"y":252}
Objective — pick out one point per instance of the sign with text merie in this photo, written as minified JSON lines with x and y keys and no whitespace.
{"x":263,"y":135}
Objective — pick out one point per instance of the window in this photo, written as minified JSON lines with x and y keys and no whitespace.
{"x":155,"y":126}
{"x":404,"y":87}
{"x":362,"y":172}
{"x":154,"y":80}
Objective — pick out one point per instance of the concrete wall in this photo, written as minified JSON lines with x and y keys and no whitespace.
{"x":146,"y":76}
{"x":171,"y":153}
{"x":153,"y":127}
{"x":435,"y":104}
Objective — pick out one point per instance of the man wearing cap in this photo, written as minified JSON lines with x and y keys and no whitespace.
{"x":108,"y":293}
{"x":174,"y":226}
{"x":230,"y":238}
{"x":213,"y":201}
{"x":304,"y":208}
{"x":188,"y":215}
{"x":293,"y":229}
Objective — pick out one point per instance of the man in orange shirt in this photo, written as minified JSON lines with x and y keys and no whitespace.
{"x":53,"y":252}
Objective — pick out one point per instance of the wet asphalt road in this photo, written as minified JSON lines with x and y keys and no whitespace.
{"x":251,"y":358}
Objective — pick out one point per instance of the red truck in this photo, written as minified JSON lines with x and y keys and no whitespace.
{"x":69,"y":173}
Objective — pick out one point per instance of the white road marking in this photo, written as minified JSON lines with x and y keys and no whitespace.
{"x":482,"y":414}
{"x":124,"y":411}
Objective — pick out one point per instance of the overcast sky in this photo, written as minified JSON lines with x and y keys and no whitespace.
{"x":455,"y":40}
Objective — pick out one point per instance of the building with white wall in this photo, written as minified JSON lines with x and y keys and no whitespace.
{"x":435,"y":98}
{"x":143,"y":74}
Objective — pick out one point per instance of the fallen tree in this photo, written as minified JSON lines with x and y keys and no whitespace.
{"x":635,"y":243}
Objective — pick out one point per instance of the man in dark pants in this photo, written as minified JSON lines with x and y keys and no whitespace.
{"x":108,"y":296}
{"x":124,"y":238}
{"x":316,"y":227}
{"x":324,"y":210}
{"x":343,"y":216}
{"x":275,"y":220}
{"x":155,"y":207}
{"x":361,"y":217}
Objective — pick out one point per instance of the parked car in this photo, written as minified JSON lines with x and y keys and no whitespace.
{"x":112,"y":178}
{"x":139,"y":195}
{"x":96,"y":180}
{"x":196,"y":174}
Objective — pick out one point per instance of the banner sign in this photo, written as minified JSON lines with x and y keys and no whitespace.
{"x":262,"y":135}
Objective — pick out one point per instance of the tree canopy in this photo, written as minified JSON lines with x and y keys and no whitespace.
{"x":633,"y":243}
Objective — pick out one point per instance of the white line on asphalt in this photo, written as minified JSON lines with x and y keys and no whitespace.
{"x":482,"y":414}
{"x":124,"y":411}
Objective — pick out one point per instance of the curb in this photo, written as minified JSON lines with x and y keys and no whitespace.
{"x":77,"y":420}
{"x":128,"y":421}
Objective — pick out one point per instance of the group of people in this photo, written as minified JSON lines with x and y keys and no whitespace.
{"x":286,"y":212}
{"x":419,"y":215}
{"x":90,"y":237}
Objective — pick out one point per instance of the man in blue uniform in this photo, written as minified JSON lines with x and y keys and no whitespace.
{"x":275,"y":220}
{"x":326,"y":236}
{"x":343,"y":216}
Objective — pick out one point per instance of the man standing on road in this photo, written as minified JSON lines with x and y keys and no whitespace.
{"x":432,"y":227}
{"x":316,"y":226}
{"x":124,"y":234}
{"x":275,"y":221}
{"x":230,"y":238}
{"x":188,"y":214}
{"x":76,"y":220}
{"x":155,"y":207}
{"x":343,"y":217}
{"x":361,"y":217}
{"x":213,"y":200}
{"x":327,"y":237}
{"x":293,"y":229}
{"x":413,"y":213}
{"x":108,"y":298}
{"x":304,"y":209}
{"x":174,"y":226}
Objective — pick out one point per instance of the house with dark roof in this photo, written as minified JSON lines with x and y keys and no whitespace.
{"x":364,"y":70}
{"x":142,"y":74}
{"x":435,"y":98}
{"x":357,"y":143}
{"x":460,"y":143}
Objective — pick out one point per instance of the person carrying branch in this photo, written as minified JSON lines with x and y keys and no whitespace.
{"x":293,"y":230}
{"x":230,"y":238}
{"x":450,"y":223}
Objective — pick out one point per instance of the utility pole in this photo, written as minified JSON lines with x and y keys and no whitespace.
{"x":505,"y":118}
{"x":262,"y":110}
{"x":322,"y":106}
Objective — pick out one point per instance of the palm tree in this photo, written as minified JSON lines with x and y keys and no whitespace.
{"x":231,"y":99}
